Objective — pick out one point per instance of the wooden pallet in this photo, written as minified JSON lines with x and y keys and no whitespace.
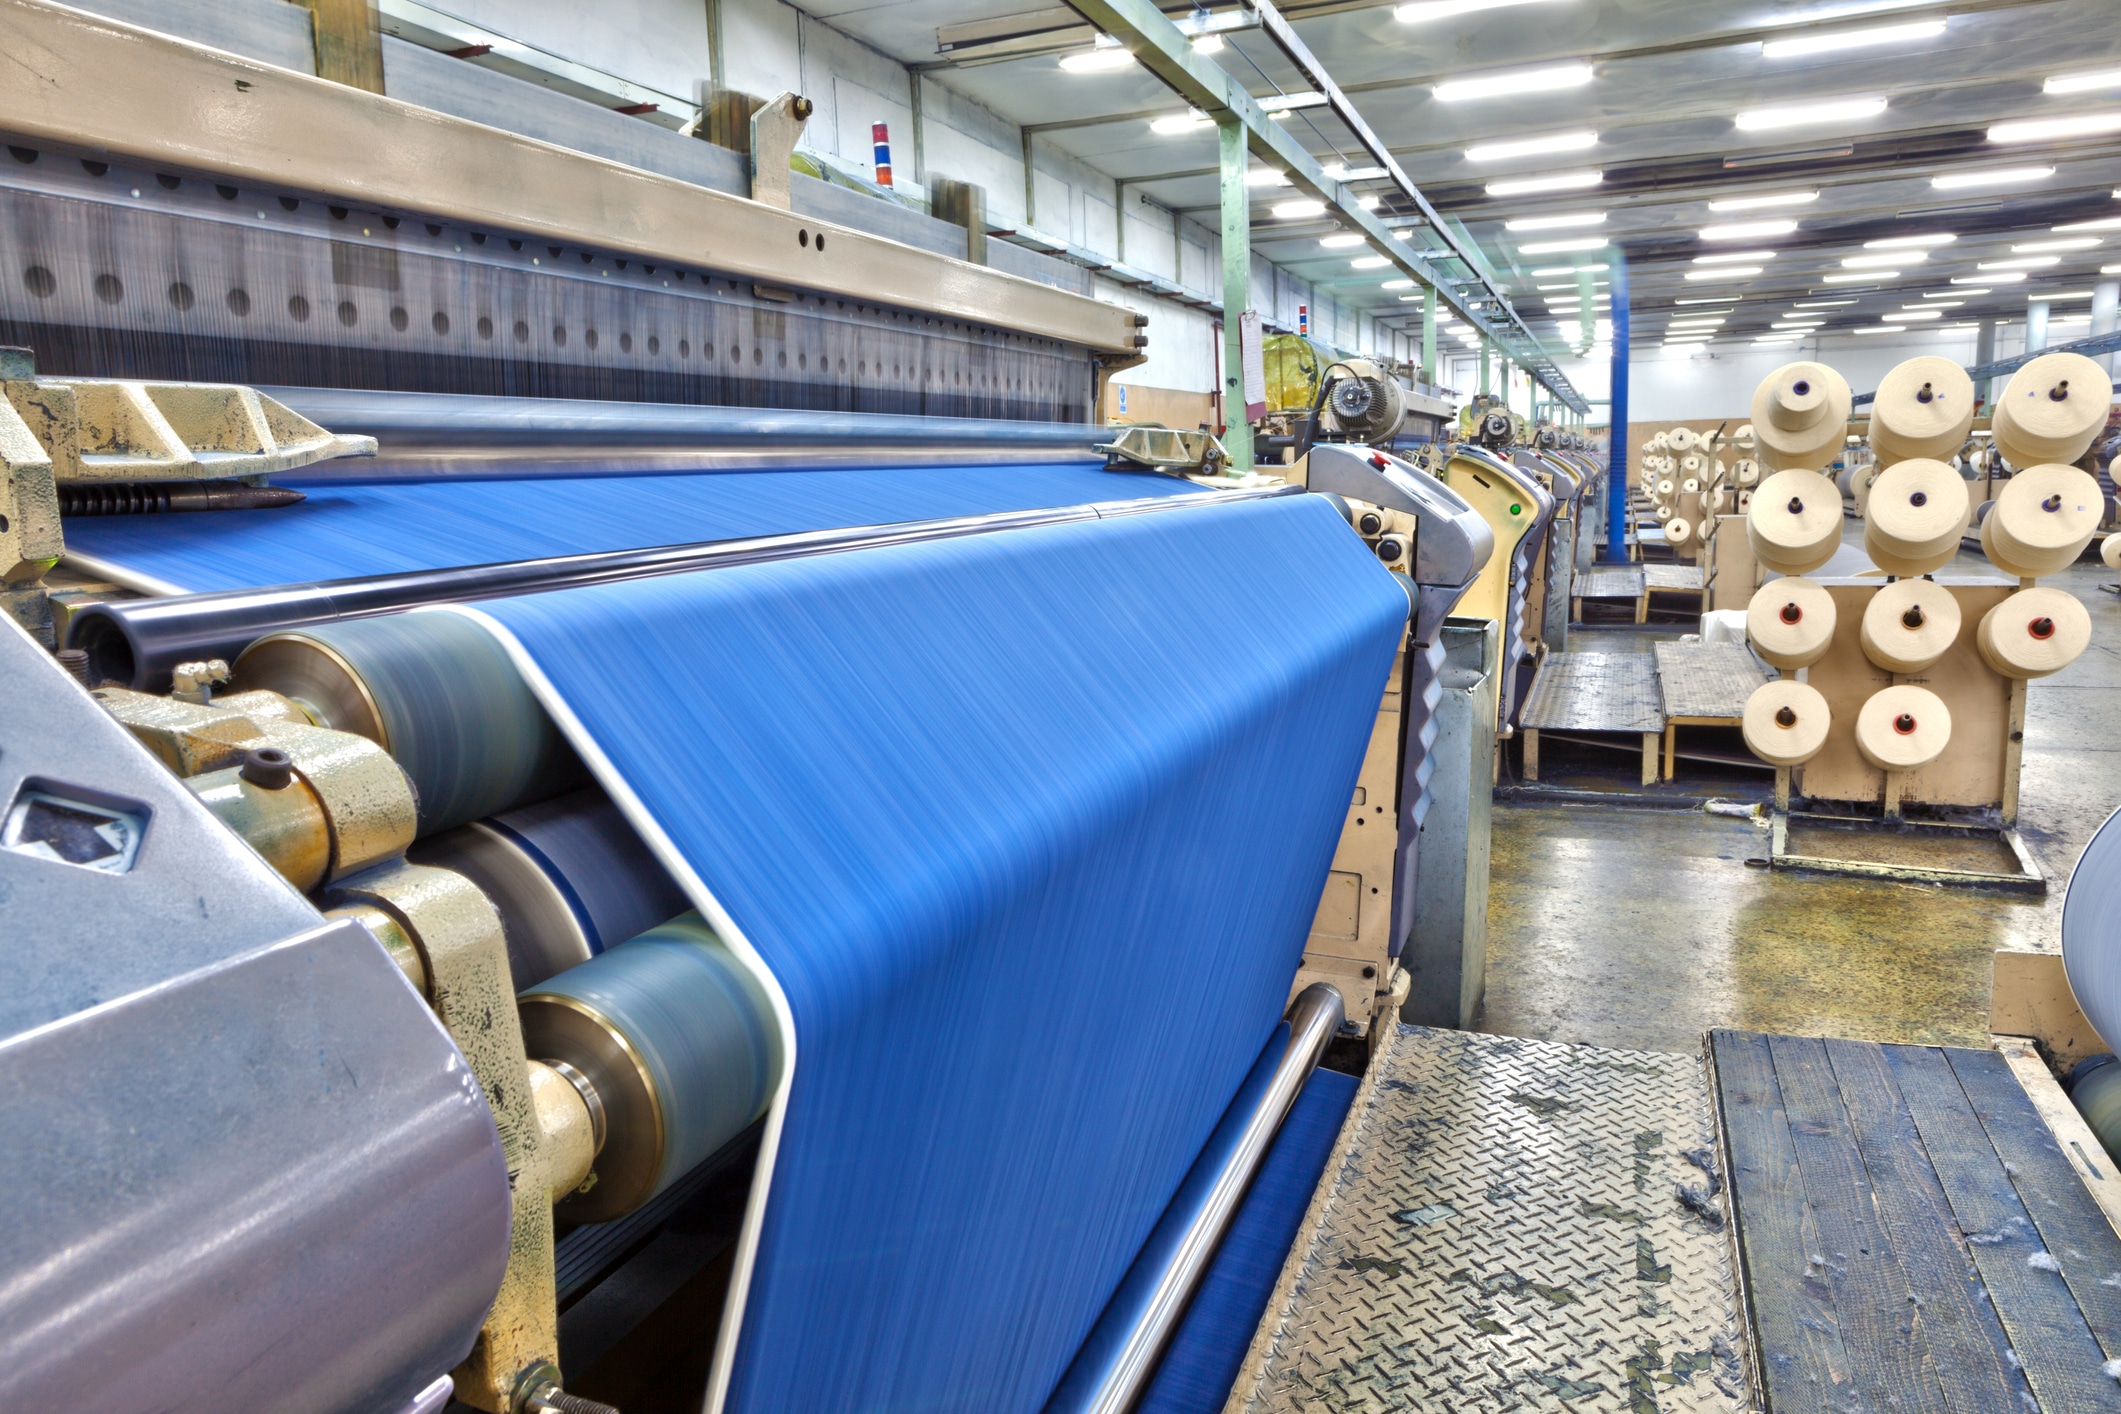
{"x":1911,"y":1235}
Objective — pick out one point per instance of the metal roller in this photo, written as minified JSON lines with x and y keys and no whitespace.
{"x":569,"y":877}
{"x":435,"y":691}
{"x":679,"y":1046}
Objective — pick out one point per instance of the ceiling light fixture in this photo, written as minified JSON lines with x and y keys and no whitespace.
{"x":2048,"y":129}
{"x":1911,"y":242}
{"x":1598,"y":269}
{"x":1850,"y":39}
{"x":2109,"y":223}
{"x":1754,"y":203}
{"x":1298,"y":210}
{"x":1880,"y":329}
{"x":1687,"y":348}
{"x":1178,"y":123}
{"x":1941,"y":304}
{"x":1518,"y":83}
{"x":1823,"y":303}
{"x":2009,"y":277}
{"x":1559,"y":181}
{"x":1868,"y":277}
{"x":1556,"y":223}
{"x":1341,"y":242}
{"x":1108,"y":57}
{"x":1532,"y":146}
{"x":1421,"y":11}
{"x":1794,"y":115}
{"x":1341,"y":172}
{"x":1955,"y":294}
{"x":2083,"y":83}
{"x":1397,"y":285}
{"x":1595,"y":284}
{"x":1370,"y":262}
{"x":2069,"y":243}
{"x":1266,"y":177}
{"x":2052,"y":295}
{"x":1747,"y":230}
{"x":1879,"y":262}
{"x":2030,"y":262}
{"x":1564,"y":247}
{"x":1710,"y":299}
{"x":1725,"y":272}
{"x":1280,"y":103}
{"x":1208,"y":44}
{"x":1910,"y":316}
{"x":1994,"y":177}
{"x":2110,"y":270}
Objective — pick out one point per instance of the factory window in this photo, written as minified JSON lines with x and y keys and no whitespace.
{"x":298,"y":309}
{"x":109,"y":288}
{"x":347,"y":313}
{"x":40,"y":281}
{"x":180,"y":295}
{"x":441,"y":323}
{"x":559,"y":335}
{"x":590,"y":338}
{"x":399,"y":318}
{"x":239,"y":303}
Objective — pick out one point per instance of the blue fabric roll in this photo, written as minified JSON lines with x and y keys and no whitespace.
{"x":1204,"y":1357}
{"x":346,"y":530}
{"x":1026,"y":831}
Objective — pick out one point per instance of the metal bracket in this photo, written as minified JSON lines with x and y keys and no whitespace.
{"x":2027,"y":880}
{"x":775,"y":129}
{"x":1166,"y":449}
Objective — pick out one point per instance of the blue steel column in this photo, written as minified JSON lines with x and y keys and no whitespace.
{"x":1616,"y":474}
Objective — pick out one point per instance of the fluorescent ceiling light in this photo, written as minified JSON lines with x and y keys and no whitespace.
{"x":1747,"y":230}
{"x":2069,"y":243}
{"x":2010,"y":277}
{"x":1994,"y":177}
{"x":1710,"y":299}
{"x":1824,"y":304}
{"x":1177,"y":123}
{"x":2060,"y":294}
{"x":1342,"y":241}
{"x":1598,"y":269}
{"x":1954,"y":294}
{"x":1289,"y":102}
{"x":1519,"y":83}
{"x":1340,"y":172}
{"x":1595,"y":284}
{"x":1879,"y":262}
{"x":2030,"y":262}
{"x":1725,"y":272}
{"x":2048,"y":129}
{"x":1108,"y":57}
{"x":1563,"y":247}
{"x":1772,"y":340}
{"x":1558,"y":181}
{"x":2110,"y":270}
{"x":1532,"y":146}
{"x":1946,"y":304}
{"x":1370,"y":262}
{"x":1880,"y":329}
{"x":1794,"y":115}
{"x":1369,"y":203}
{"x":1734,"y":257}
{"x":1397,"y":285}
{"x":2110,"y":223}
{"x":1421,"y":11}
{"x":1208,"y":44}
{"x":1266,"y":177}
{"x":1910,"y":316}
{"x":1298,"y":210}
{"x":1557,"y":223}
{"x":1752,"y":203}
{"x":1911,"y":242}
{"x":1868,"y":277}
{"x":1798,"y":323}
{"x":1692,"y":348}
{"x":2090,"y":82}
{"x":1804,"y":44}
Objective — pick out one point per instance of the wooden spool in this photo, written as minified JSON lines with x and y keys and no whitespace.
{"x":1903,"y":727}
{"x":1800,"y":416}
{"x":1794,"y":521}
{"x":1742,"y":439}
{"x":1745,"y":472}
{"x":1786,"y":722}
{"x":2033,"y":633}
{"x":1909,"y":625}
{"x":1790,"y":622}
{"x":2042,"y":520}
{"x":2053,"y":409}
{"x":1923,"y":410}
{"x":1914,"y":516}
{"x":1693,"y":464}
{"x":1690,"y":486}
{"x":1678,"y":531}
{"x":1682,"y":439}
{"x":1666,"y":488}
{"x":2110,"y":551}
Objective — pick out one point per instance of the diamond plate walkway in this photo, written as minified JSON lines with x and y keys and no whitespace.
{"x":1502,"y":1228}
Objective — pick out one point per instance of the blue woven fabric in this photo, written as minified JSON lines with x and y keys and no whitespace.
{"x":1204,"y":1357}
{"x":344,"y":530}
{"x":1030,"y":829}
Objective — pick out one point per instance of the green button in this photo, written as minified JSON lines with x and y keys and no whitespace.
{"x":1517,"y":510}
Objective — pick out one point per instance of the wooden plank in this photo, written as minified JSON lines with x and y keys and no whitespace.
{"x":2076,"y":1232}
{"x":2088,"y":1159}
{"x":1796,"y":1337}
{"x":2047,"y":1331}
{"x":1966,"y":1341}
{"x":1889,"y":1359}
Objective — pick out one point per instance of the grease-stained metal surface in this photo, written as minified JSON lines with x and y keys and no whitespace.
{"x":1707,"y":679}
{"x":1594,"y":692}
{"x":1608,"y":582}
{"x":1503,"y":1228}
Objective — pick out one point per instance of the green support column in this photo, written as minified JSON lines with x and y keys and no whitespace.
{"x":1237,"y":289}
{"x":1428,"y":335}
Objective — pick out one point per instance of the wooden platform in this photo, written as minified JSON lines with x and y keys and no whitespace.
{"x":1594,"y":692}
{"x":1911,"y":1235}
{"x":1704,"y":685}
{"x":1608,"y":582}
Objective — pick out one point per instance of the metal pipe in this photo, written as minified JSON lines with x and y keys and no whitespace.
{"x":138,"y":641}
{"x":1113,"y":1369}
{"x":1616,"y":457}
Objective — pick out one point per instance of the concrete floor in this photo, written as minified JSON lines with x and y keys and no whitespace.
{"x":1645,"y":928}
